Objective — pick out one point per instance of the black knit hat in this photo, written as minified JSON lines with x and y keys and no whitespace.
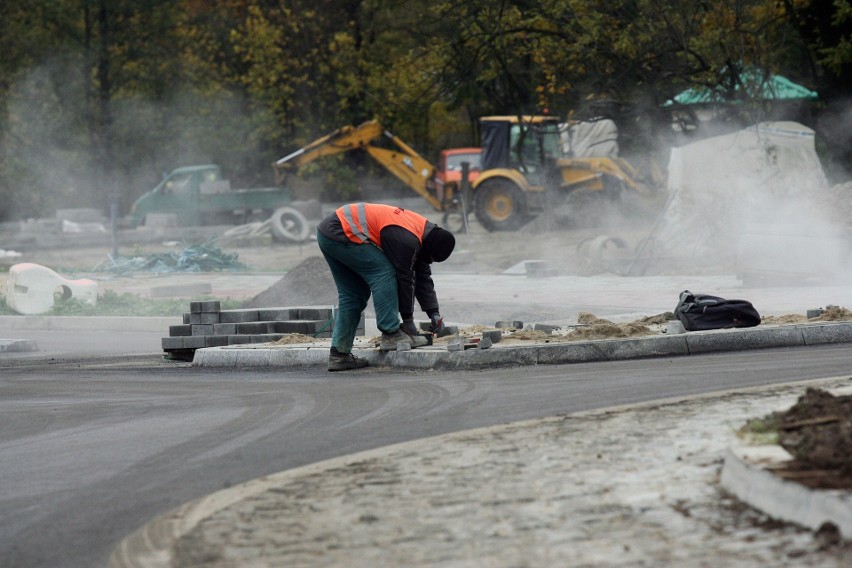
{"x":438,"y":245}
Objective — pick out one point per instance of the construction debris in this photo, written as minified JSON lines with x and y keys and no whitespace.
{"x":199,"y":258}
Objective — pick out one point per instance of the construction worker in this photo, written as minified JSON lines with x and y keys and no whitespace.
{"x":385,"y":251}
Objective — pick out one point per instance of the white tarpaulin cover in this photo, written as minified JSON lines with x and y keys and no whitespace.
{"x":757,"y":197}
{"x":590,"y":139}
{"x":771,"y":156}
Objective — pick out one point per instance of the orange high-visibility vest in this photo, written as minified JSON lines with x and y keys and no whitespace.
{"x":363,"y":222}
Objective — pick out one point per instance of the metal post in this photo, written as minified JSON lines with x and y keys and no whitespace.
{"x":465,"y":191}
{"x":113,"y":215}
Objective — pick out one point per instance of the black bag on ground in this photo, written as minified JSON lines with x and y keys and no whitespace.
{"x":701,"y":311}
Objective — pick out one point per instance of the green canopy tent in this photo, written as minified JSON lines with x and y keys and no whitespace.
{"x":774,"y":88}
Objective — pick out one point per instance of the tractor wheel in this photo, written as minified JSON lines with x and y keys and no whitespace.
{"x":454,"y":219}
{"x":500,"y":205}
{"x":289,"y":225}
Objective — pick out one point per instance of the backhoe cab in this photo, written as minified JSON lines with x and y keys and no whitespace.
{"x":525,"y":173}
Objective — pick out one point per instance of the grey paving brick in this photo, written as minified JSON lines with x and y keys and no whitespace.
{"x":252,"y":327}
{"x":293,"y":326}
{"x":195,"y":318}
{"x":194,"y":342}
{"x":238,"y":316}
{"x":277,"y":314}
{"x":209,"y":317}
{"x":315,"y":313}
{"x":171,"y":343}
{"x":205,"y":307}
{"x":216,"y":340}
{"x":495,"y":335}
{"x":202,"y":329}
{"x":179,"y":330}
{"x":224,"y":328}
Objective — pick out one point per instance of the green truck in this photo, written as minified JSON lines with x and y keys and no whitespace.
{"x":198,"y":195}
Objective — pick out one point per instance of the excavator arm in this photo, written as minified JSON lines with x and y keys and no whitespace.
{"x":404,"y":163}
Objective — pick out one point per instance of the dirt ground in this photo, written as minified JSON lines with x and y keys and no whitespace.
{"x":817,"y":431}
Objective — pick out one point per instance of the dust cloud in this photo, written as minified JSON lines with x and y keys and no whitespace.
{"x":756,"y":200}
{"x":58,"y":162}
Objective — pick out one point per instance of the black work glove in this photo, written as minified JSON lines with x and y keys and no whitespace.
{"x":409,"y":327}
{"x":437,"y":323}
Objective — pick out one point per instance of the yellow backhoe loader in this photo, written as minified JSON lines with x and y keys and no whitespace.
{"x":523,"y":172}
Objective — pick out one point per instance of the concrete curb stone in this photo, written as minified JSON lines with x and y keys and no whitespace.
{"x":745,"y":474}
{"x":503,"y":354}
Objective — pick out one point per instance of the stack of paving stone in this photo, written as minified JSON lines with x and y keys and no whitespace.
{"x":207,"y":325}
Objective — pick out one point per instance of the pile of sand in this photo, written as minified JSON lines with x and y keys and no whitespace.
{"x":293,"y":338}
{"x":308,"y":284}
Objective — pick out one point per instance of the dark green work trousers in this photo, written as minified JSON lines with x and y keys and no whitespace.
{"x":358,"y":271}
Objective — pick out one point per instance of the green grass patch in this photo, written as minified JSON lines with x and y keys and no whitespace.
{"x":761,"y":431}
{"x":112,"y":304}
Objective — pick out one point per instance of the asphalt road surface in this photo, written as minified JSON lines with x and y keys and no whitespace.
{"x":92,"y":448}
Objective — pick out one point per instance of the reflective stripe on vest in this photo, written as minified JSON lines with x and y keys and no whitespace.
{"x":361,"y":229}
{"x":373,"y":217}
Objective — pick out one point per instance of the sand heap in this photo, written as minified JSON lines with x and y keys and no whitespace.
{"x":308,"y":284}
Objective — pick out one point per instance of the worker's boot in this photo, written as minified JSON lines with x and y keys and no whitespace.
{"x":391,"y":340}
{"x":344,"y":361}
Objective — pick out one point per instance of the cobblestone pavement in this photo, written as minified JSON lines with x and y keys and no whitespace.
{"x":635,"y":486}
